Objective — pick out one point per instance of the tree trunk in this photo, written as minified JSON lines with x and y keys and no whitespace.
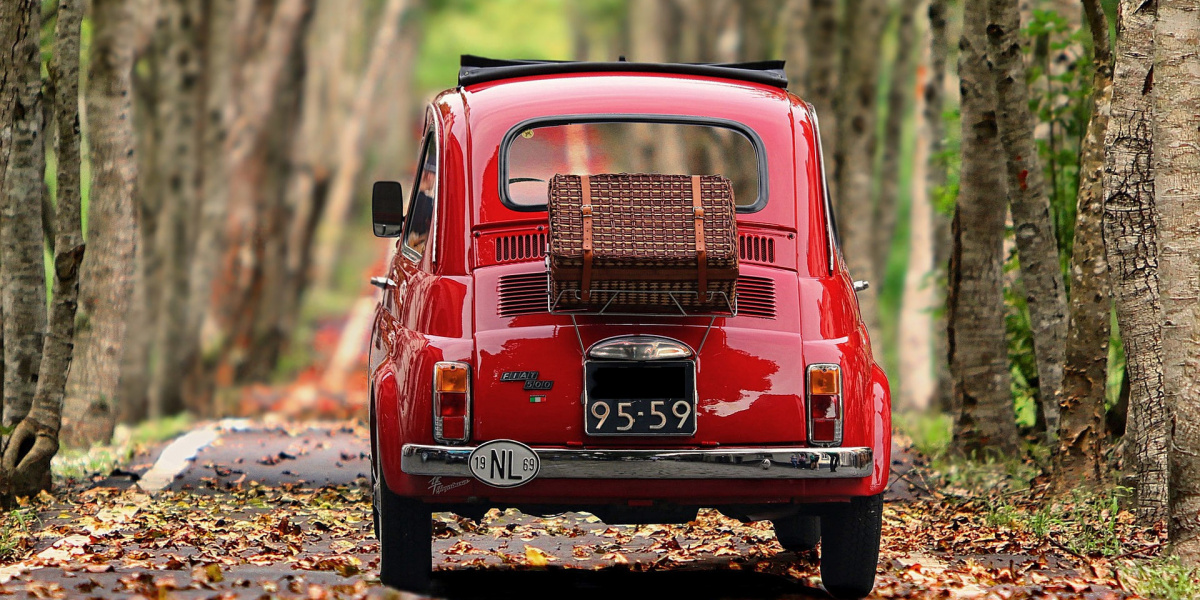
{"x":918,"y":304}
{"x":856,"y":144}
{"x":978,"y":351}
{"x":22,"y":272}
{"x":134,"y":386}
{"x":1131,"y":248}
{"x":795,"y":46}
{"x":106,"y":277}
{"x":238,"y":290}
{"x":1041,"y":272}
{"x":822,"y":82}
{"x":35,"y":440}
{"x":759,"y":20}
{"x":1079,"y":457}
{"x":935,"y":103}
{"x":1176,"y":157}
{"x":350,"y":147}
{"x":178,"y":166}
{"x":899,"y":102}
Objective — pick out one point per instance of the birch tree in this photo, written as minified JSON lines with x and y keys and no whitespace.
{"x":22,"y":275}
{"x":1037,"y":246}
{"x":34,"y":442}
{"x":1131,"y":249}
{"x":978,"y":351}
{"x":106,"y":276}
{"x":1176,"y":159}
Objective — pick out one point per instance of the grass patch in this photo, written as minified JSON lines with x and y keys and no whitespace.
{"x":14,"y":532}
{"x":1086,"y":524}
{"x":931,"y":433}
{"x":78,"y":464}
{"x":1164,"y":579}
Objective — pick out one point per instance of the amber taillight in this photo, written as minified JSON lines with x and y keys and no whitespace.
{"x":451,"y":402}
{"x":824,"y":405}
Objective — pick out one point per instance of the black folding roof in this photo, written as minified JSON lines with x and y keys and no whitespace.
{"x":477,"y":69}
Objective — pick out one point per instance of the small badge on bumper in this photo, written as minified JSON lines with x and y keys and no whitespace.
{"x":504,"y":463}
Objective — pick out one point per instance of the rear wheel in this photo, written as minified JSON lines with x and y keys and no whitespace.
{"x":850,"y":547}
{"x":404,"y":529}
{"x":798,"y":533}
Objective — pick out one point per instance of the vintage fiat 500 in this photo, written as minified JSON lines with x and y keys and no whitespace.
{"x":488,"y":391}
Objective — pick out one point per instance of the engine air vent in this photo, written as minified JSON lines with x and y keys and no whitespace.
{"x":756,"y":297}
{"x":522,"y":294}
{"x":757,"y":248}
{"x":520,"y":247}
{"x":525,"y":294}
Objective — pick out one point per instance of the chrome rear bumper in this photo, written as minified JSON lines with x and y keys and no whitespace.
{"x":722,"y":463}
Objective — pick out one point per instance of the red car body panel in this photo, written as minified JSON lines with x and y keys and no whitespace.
{"x":445,"y":306}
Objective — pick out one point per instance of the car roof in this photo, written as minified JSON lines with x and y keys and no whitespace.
{"x":477,"y":69}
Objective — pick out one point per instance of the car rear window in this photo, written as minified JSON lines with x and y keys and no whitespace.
{"x":535,"y":152}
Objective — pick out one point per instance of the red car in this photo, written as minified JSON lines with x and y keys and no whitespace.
{"x":484,"y":394}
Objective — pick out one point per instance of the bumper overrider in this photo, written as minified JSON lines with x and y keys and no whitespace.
{"x":723,"y":463}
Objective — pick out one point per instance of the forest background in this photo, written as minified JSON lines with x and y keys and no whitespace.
{"x":221,"y":164}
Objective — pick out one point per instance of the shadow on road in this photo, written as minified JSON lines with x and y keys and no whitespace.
{"x":611,"y":584}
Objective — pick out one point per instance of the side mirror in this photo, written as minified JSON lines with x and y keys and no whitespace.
{"x":387,"y":208}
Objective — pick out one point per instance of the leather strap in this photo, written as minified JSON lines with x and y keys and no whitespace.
{"x":701,"y":253}
{"x":585,"y":284}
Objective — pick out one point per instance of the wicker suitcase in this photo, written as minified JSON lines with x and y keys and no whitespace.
{"x":643,"y":243}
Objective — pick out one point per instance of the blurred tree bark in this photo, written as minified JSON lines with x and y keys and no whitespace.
{"x":899,"y":103}
{"x":1131,"y":248}
{"x":821,"y":85}
{"x":1176,"y":158}
{"x":350,"y":147}
{"x":178,"y":163}
{"x":227,"y":334}
{"x":856,"y":139}
{"x":106,"y":277}
{"x":1079,"y":457}
{"x":22,"y":273}
{"x":1037,"y":246}
{"x":935,"y":106}
{"x":795,"y":45}
{"x":758,"y":24}
{"x":222,"y":43}
{"x":919,"y":301}
{"x":978,"y":349}
{"x":35,"y":440}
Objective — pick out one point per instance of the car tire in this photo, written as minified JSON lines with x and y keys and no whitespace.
{"x":404,"y":528}
{"x":798,"y":533}
{"x":850,"y":547}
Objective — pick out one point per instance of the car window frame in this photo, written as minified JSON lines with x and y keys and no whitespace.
{"x":760,"y":151}
{"x":412,"y":254}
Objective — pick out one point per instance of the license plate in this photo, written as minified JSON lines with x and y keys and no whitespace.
{"x":640,"y":398}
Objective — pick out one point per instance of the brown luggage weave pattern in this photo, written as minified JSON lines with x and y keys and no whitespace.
{"x":652,"y":238}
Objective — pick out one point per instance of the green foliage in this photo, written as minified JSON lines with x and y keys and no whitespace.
{"x":498,"y":28}
{"x":14,"y":532}
{"x":1165,"y":579}
{"x":949,"y":159}
{"x":1021,"y":359}
{"x":931,"y":433}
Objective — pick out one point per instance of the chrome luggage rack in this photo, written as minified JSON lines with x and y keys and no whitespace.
{"x":552,"y":307}
{"x":552,"y":303}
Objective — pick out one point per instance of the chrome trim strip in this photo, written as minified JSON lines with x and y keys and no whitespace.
{"x":723,"y":463}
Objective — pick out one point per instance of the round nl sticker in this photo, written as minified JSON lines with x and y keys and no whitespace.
{"x":504,"y":463}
